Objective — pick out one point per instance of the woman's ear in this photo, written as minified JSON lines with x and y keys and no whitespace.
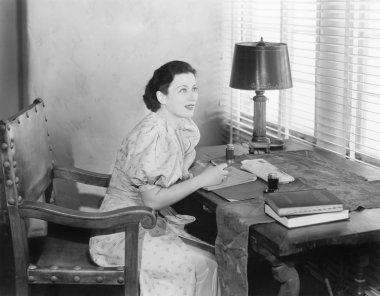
{"x":161,"y":97}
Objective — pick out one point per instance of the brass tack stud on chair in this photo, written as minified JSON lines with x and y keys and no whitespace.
{"x":11,"y":201}
{"x":53,"y":278}
{"x":31,"y":278}
{"x":77,"y":279}
{"x":19,"y":199}
{"x":7,"y":164}
{"x":9,"y":183}
{"x":99,"y":279}
{"x":77,"y":267}
{"x":4,"y":146}
{"x":32,"y":267}
{"x":120,"y":280}
{"x":14,"y":164}
{"x":54,"y":267}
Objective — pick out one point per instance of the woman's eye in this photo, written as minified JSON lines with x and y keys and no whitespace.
{"x":183,"y":90}
{"x":195,"y":89}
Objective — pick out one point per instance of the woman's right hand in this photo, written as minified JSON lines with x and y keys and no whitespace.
{"x":214,"y":175}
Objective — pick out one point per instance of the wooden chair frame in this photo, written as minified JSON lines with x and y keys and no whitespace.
{"x":26,"y":180}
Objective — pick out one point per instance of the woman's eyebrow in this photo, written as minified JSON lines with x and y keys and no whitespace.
{"x":183,"y":85}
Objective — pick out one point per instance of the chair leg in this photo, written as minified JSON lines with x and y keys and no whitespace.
{"x":131,"y":286}
{"x":21,"y":286}
{"x":21,"y":255}
{"x":131,"y":290}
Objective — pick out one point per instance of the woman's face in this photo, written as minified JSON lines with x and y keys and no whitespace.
{"x":182,"y":96}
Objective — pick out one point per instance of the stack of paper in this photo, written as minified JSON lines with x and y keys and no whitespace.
{"x":235,"y":177}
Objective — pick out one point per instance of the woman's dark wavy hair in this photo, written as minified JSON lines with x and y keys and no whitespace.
{"x":162,"y":77}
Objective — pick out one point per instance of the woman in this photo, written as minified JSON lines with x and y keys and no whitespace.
{"x":152,"y":169}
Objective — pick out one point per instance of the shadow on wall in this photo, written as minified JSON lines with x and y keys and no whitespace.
{"x":70,"y":194}
{"x":213,"y":126}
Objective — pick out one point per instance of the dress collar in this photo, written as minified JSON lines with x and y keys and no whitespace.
{"x":180,"y":125}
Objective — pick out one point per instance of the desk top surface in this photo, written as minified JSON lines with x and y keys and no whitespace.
{"x":363,"y":226}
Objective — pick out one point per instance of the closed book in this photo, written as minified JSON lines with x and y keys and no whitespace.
{"x":303,"y":202}
{"x":305,"y":220}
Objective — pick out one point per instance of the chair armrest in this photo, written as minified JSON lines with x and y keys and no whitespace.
{"x":99,"y":220}
{"x":82,"y":176}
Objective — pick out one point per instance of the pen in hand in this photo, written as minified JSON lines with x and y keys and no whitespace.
{"x":213,"y":163}
{"x":226,"y":168}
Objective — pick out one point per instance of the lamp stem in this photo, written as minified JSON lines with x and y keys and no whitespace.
{"x":259,"y":120}
{"x":259,"y":139}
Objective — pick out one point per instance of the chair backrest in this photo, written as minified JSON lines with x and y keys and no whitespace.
{"x":27,"y":171}
{"x":27,"y":167}
{"x":31,"y":157}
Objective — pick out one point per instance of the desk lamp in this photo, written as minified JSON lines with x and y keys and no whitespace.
{"x":261,"y":66}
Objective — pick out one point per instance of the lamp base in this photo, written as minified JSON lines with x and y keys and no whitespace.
{"x":255,"y":147}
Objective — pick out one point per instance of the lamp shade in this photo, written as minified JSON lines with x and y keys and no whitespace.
{"x":260,"y":66}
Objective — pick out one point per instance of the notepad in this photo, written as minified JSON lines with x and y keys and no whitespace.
{"x":235,"y":177}
{"x":262,"y":168}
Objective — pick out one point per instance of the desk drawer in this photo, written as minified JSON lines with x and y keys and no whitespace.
{"x":204,"y":227}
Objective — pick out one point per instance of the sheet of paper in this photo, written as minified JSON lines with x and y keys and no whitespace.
{"x":235,"y":177}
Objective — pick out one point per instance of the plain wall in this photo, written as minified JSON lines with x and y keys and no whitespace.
{"x":9,"y":95}
{"x":91,"y":59}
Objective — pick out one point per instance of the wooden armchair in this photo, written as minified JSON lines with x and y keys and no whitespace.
{"x":62,"y":256}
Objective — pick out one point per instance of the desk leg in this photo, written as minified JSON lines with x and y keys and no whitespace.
{"x":283,"y":273}
{"x":362,"y":263}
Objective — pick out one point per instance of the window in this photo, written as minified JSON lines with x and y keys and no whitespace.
{"x":334,"y":51}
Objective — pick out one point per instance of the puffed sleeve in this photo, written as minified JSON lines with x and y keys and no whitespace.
{"x":189,"y":134}
{"x":151,"y":158}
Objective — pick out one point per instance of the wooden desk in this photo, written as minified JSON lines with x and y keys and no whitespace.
{"x":275,"y":241}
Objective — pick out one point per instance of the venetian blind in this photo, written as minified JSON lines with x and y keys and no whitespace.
{"x":334,"y":51}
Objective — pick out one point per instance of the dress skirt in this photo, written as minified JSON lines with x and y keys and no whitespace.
{"x":169,"y":267}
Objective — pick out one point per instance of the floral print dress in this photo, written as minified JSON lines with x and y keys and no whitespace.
{"x":154,"y":154}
